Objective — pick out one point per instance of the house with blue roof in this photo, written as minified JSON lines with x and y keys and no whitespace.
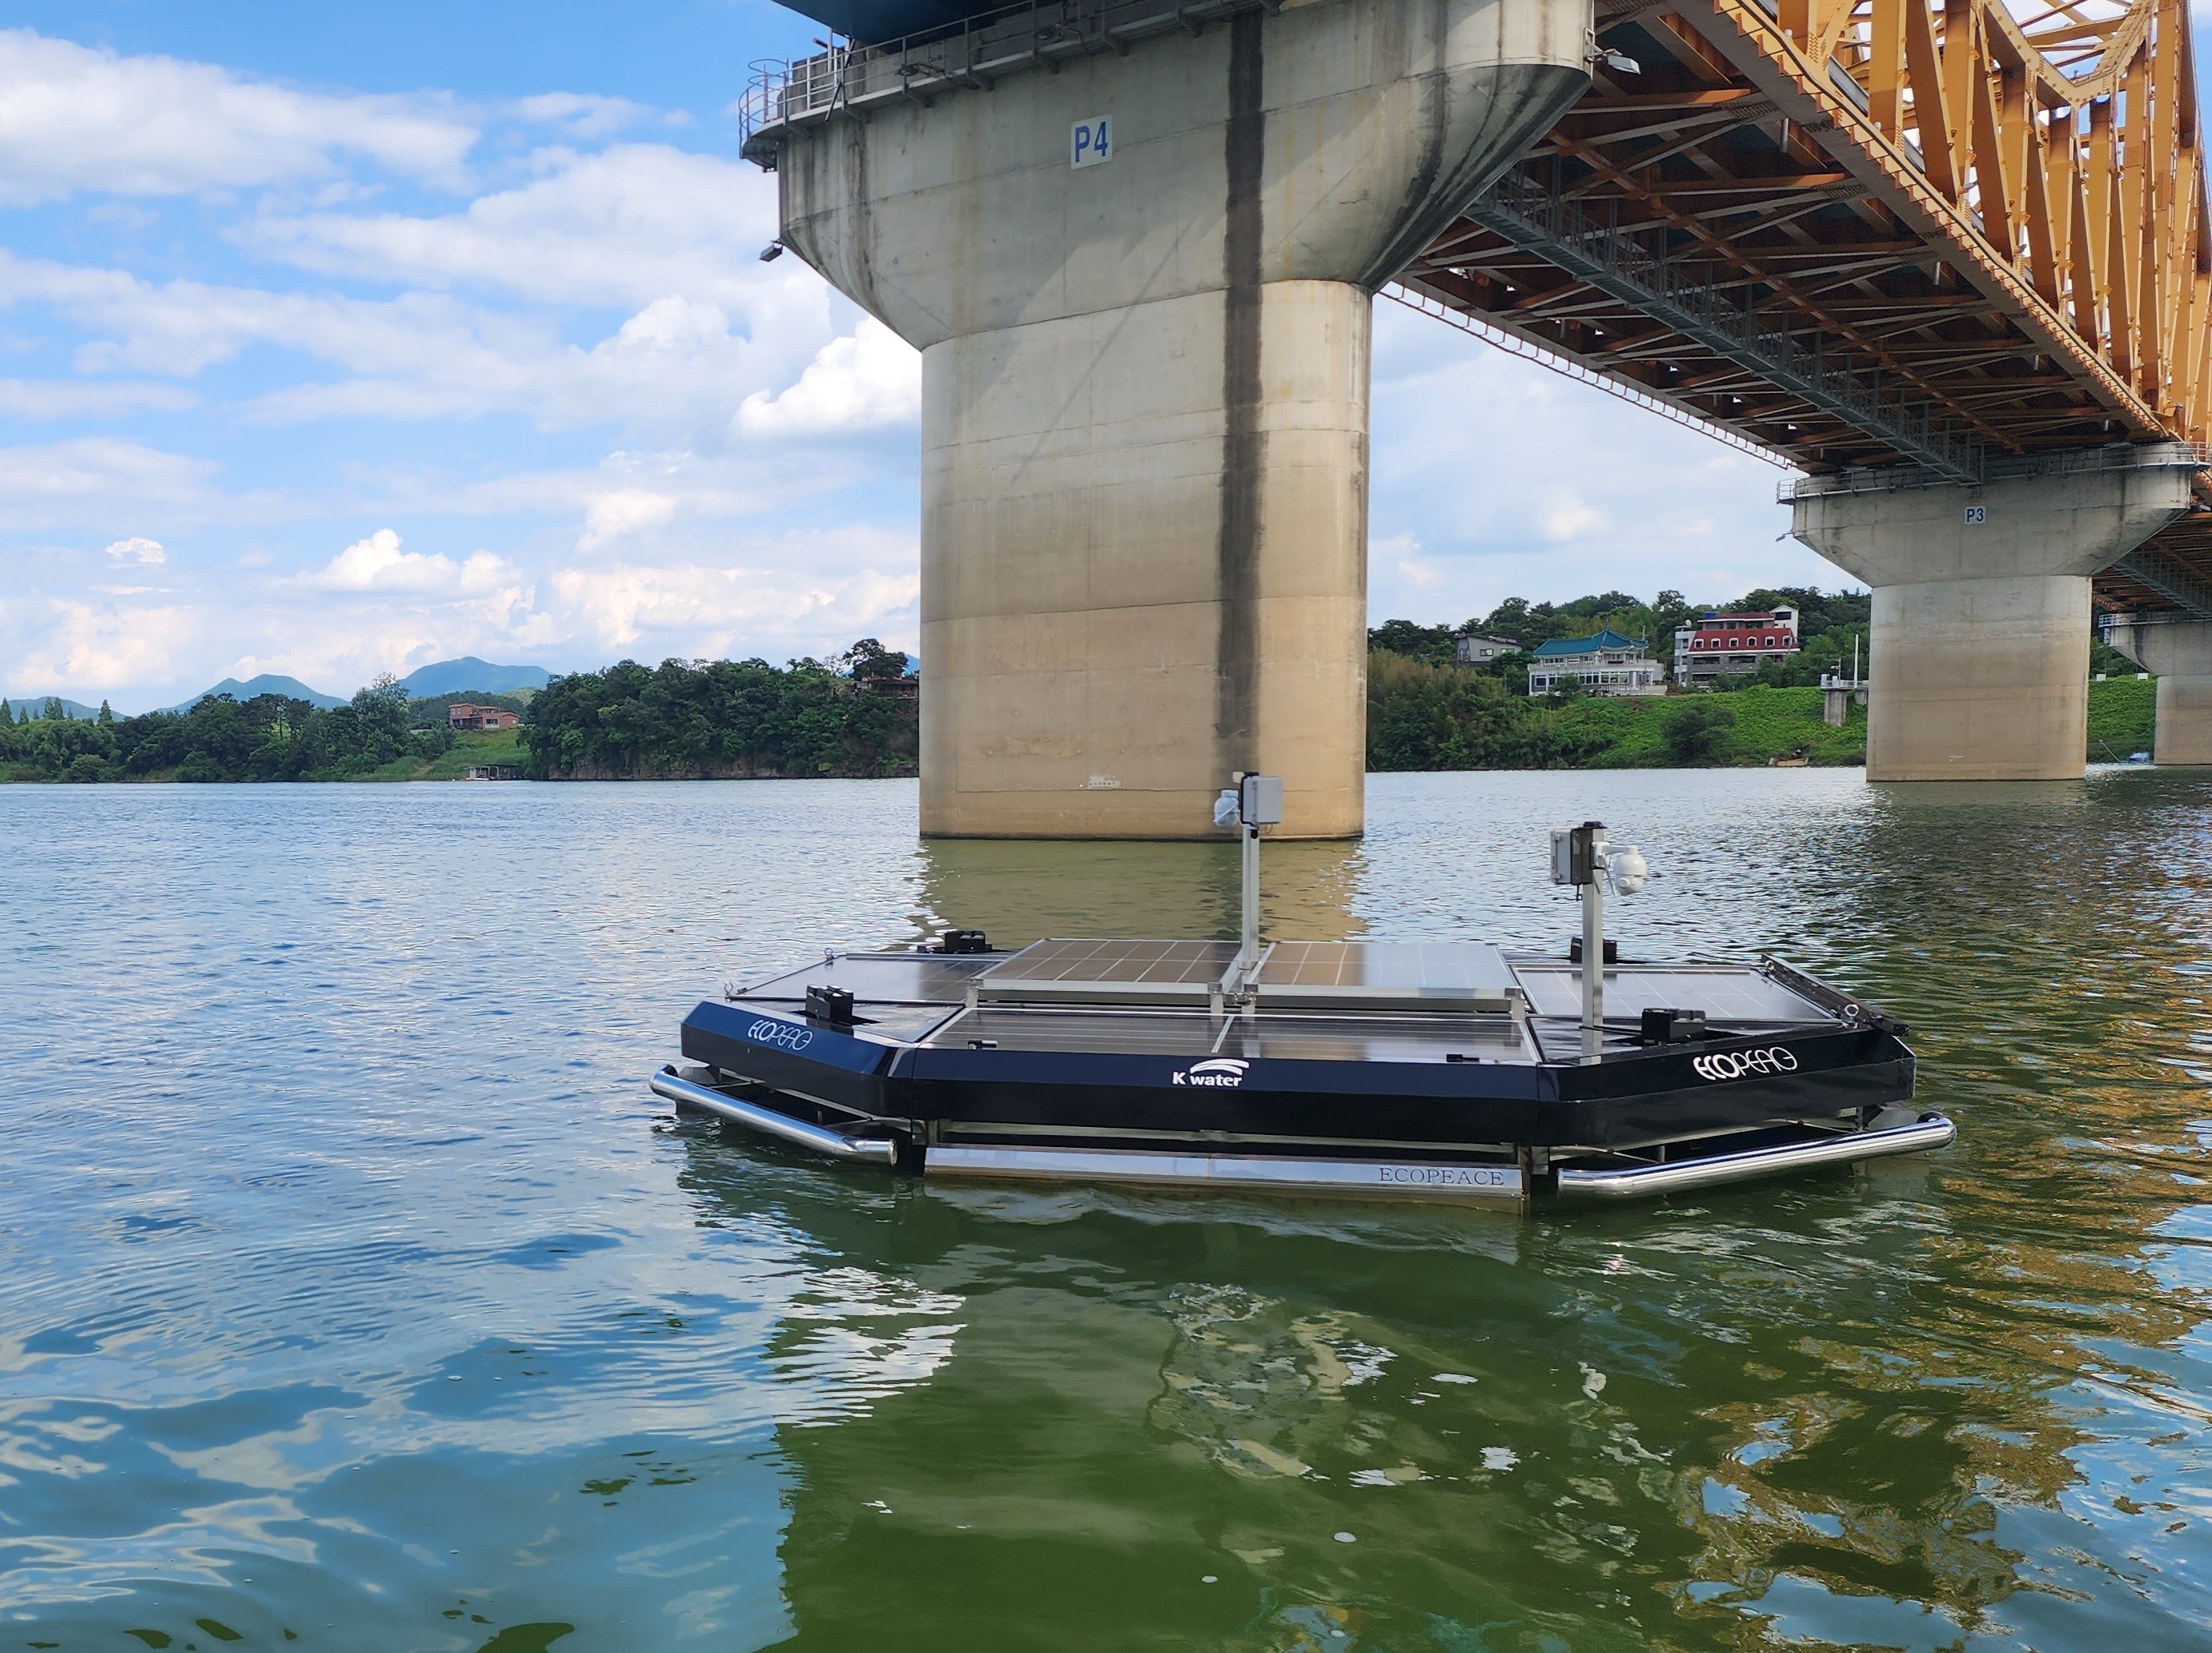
{"x":1607,"y":664}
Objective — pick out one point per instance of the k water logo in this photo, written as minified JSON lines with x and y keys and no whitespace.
{"x":1220,"y":1071}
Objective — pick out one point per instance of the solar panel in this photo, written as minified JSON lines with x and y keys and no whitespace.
{"x":880,"y":978}
{"x":1724,"y":992}
{"x":1469,"y":977}
{"x":1122,"y":972}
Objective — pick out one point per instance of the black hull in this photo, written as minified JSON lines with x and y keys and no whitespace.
{"x":1616,"y":1105}
{"x":1335,"y":1096}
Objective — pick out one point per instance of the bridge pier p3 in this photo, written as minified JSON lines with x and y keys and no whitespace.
{"x":1980,"y":636}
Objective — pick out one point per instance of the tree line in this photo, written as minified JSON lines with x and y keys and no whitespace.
{"x":268,"y":737}
{"x":1829,"y":624}
{"x":855,"y":716}
{"x":852,"y":716}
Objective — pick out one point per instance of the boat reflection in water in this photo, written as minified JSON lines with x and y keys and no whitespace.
{"x":1069,"y":1410}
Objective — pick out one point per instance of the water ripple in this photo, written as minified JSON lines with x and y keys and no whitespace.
{"x":351,"y":1284}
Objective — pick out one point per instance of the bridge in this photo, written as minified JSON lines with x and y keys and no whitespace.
{"x":1951,"y":264}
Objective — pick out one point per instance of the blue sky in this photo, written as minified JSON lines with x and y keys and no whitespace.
{"x":337,"y":340}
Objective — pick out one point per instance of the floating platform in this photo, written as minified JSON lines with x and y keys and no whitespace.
{"x":1435,"y":1070}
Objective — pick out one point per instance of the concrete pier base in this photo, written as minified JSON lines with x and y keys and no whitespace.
{"x":1111,"y":626}
{"x":1144,"y":387}
{"x":2178,"y":653}
{"x":1979,"y":644}
{"x":1836,"y":703}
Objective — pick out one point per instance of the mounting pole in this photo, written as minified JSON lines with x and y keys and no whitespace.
{"x":1258,"y":802}
{"x":1579,"y":858}
{"x":1249,"y":954}
{"x":1593,"y":957}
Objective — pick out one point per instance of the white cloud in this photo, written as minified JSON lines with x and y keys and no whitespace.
{"x":676,"y":365}
{"x":1402,"y":553}
{"x":1571,"y":519}
{"x":621,"y":513}
{"x":713,"y":607}
{"x":867,"y":381}
{"x":67,"y":399}
{"x":801,"y":591}
{"x":94,"y":481}
{"x":73,"y":118}
{"x":140,"y":550}
{"x":95,"y":648}
{"x":377,"y":563}
{"x":584,"y":115}
{"x":628,"y":225}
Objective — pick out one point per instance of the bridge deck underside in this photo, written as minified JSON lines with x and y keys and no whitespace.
{"x":1702,"y":159}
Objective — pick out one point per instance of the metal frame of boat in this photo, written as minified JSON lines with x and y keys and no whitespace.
{"x":1362,"y":1069}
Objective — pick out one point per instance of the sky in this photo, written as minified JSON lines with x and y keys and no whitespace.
{"x":337,"y":340}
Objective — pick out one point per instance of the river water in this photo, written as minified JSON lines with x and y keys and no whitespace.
{"x":354,"y":1292}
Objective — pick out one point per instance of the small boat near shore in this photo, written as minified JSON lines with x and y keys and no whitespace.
{"x":1369,"y":1069}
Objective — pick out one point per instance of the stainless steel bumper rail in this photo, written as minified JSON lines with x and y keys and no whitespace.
{"x":877,"y":1150}
{"x":1643,"y":1182}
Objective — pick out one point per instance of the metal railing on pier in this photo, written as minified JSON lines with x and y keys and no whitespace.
{"x":980,"y":51}
{"x":2001,"y":467}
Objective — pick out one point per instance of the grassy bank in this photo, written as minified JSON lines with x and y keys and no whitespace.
{"x":1425,"y":717}
{"x":1752,"y":727}
{"x":1435,"y":717}
{"x":468,"y":749}
{"x":2122,"y":719}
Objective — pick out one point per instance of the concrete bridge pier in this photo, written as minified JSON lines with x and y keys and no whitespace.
{"x":1980,"y":639}
{"x":2178,"y":653}
{"x":1145,"y":384}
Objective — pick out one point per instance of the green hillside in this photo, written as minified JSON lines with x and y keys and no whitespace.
{"x":1427,"y":716}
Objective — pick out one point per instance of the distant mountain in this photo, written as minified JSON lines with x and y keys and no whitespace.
{"x":266,"y":684}
{"x":460,"y":677}
{"x":75,"y":708}
{"x":445,"y":677}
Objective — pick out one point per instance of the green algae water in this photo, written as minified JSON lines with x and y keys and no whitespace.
{"x":355,"y":1293}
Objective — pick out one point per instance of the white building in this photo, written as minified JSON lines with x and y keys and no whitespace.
{"x":1607,"y":664}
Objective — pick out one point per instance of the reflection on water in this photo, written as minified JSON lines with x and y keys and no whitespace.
{"x":1018,"y":893}
{"x":353,"y":1286}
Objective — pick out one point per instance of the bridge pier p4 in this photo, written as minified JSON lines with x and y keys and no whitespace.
{"x":2178,"y":653}
{"x":1980,"y":637}
{"x":1141,"y":284}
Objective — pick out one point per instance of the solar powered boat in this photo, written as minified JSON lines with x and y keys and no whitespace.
{"x":1428,"y":1070}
